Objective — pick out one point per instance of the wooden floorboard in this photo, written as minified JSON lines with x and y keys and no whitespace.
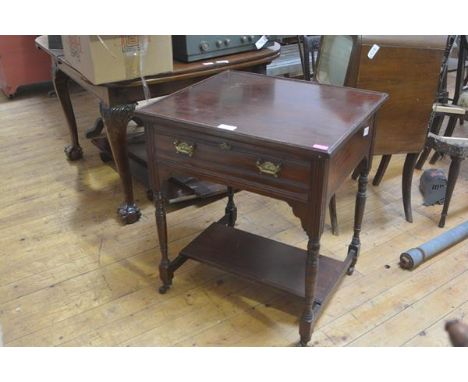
{"x":72,"y":275}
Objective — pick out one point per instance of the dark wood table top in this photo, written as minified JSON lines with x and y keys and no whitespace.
{"x":184,"y":70}
{"x":301,"y":114}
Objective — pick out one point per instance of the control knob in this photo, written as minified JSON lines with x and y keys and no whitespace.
{"x":204,"y":46}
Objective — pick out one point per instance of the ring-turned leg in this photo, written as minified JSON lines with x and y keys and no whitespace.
{"x":454,"y":170}
{"x":231,"y":209}
{"x":61,"y":80}
{"x":116,"y":119}
{"x":333,"y":215}
{"x":381,"y":170}
{"x":408,"y":169}
{"x":355,"y":246}
{"x":308,"y":315}
{"x":164,"y":273}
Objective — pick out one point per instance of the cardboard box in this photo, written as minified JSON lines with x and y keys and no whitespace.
{"x":104,"y":59}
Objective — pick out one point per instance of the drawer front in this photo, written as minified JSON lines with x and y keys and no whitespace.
{"x":234,"y":160}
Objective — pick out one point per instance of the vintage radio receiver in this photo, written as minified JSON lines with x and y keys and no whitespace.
{"x":194,"y":48}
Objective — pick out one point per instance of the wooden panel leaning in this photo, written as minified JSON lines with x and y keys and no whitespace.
{"x":405,"y":67}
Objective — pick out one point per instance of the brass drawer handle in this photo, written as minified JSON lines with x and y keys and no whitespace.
{"x":184,"y":148}
{"x":269,"y":168}
{"x":225,"y":146}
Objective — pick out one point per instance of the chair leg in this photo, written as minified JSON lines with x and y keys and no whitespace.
{"x":333,"y":216}
{"x":381,"y":170}
{"x":423,"y":158}
{"x":408,"y":170}
{"x":454,"y":170}
{"x":434,"y":128}
{"x":448,"y":133}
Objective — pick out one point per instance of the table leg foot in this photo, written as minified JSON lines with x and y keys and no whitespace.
{"x":164,"y":288}
{"x":305,"y":329}
{"x":231,"y":209}
{"x":129,"y":213}
{"x":73,"y":153}
{"x":355,"y":253}
{"x":311,"y":306}
{"x":116,"y":119}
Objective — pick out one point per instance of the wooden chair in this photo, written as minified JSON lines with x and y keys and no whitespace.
{"x":405,"y":67}
{"x":457,"y":149}
{"x":458,"y":99}
{"x":308,"y":52}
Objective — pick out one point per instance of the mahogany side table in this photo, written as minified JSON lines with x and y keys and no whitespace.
{"x":118,"y":100}
{"x":287,"y":139}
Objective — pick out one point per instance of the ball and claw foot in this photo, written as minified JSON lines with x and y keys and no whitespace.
{"x":129,"y":213}
{"x":73,"y":152}
{"x":302,"y":343}
{"x":164,"y":288}
{"x":350,"y":270}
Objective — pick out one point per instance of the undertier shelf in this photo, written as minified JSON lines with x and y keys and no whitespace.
{"x":264,"y":260}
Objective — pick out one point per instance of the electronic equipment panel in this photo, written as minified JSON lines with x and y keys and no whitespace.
{"x":188,"y":48}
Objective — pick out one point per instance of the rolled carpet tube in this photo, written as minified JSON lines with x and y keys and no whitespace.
{"x":415,"y":256}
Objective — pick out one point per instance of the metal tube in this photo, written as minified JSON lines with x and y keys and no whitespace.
{"x":415,"y":256}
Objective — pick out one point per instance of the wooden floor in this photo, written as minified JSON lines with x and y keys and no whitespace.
{"x":72,"y":275}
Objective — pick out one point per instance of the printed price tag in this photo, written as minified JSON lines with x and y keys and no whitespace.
{"x":261,"y":42}
{"x":320,"y":147}
{"x":227,"y":127}
{"x":373,"y":51}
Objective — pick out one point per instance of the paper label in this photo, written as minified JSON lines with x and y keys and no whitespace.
{"x":227,"y":127}
{"x":208,"y":63}
{"x":261,"y":42}
{"x":320,"y":147}
{"x":222,"y":62}
{"x":365,"y":131}
{"x":373,"y":51}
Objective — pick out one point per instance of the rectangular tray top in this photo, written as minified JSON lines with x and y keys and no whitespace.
{"x":264,"y":260}
{"x":314,"y":117}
